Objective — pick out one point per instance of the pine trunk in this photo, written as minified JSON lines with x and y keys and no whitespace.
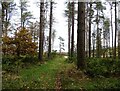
{"x":90,"y":30}
{"x":50,"y":31}
{"x":81,"y":36}
{"x":72,"y":39}
{"x":115,"y":30}
{"x":40,"y":56}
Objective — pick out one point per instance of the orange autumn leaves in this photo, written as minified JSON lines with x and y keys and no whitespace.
{"x":21,"y":42}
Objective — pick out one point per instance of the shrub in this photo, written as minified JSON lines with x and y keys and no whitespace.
{"x":102,"y":67}
{"x":53,"y":53}
{"x":12,"y":63}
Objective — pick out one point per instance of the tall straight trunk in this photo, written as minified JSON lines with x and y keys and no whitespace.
{"x":93,"y":41}
{"x":90,"y":16}
{"x":50,"y":31}
{"x":104,"y":50}
{"x":40,"y":56}
{"x":2,"y":17}
{"x":119,"y":44}
{"x":43,"y":36}
{"x":103,"y":46}
{"x":115,"y":30}
{"x":93,"y":50}
{"x":69,"y":31}
{"x":98,"y":38}
{"x":119,"y":31}
{"x":72,"y":39}
{"x":97,"y":45}
{"x":112,"y":29}
{"x":21,"y":13}
{"x":81,"y":36}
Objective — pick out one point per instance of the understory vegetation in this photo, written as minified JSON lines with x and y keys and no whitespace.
{"x":28,"y":73}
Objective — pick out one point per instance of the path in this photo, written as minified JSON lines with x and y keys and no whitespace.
{"x":46,"y":75}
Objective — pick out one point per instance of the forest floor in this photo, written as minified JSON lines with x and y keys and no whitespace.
{"x":55,"y":74}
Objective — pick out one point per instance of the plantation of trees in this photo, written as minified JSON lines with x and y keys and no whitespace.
{"x":29,"y":59}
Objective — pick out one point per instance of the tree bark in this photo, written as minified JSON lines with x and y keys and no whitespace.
{"x":111,"y":28}
{"x":90,"y":16}
{"x":69,"y":32}
{"x":81,"y":36}
{"x":40,"y":56}
{"x":119,"y":44}
{"x":115,"y":30}
{"x":50,"y":31}
{"x":72,"y":39}
{"x":119,"y":31}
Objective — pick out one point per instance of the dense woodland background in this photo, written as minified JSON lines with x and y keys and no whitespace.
{"x":29,"y":60}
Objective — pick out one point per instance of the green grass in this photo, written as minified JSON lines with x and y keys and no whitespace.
{"x":38,"y":76}
{"x":43,"y":76}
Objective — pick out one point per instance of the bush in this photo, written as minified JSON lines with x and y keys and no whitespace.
{"x":29,"y":59}
{"x":53,"y":53}
{"x":12,"y":63}
{"x":102,"y":67}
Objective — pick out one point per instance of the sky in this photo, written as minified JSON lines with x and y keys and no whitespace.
{"x":60,"y":26}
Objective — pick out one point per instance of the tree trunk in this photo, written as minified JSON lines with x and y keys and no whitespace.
{"x":50,"y":31}
{"x":81,"y":36}
{"x":72,"y":39}
{"x":21,"y":14}
{"x":90,"y":16}
{"x":98,"y":43}
{"x":93,"y":50}
{"x":2,"y":17}
{"x":6,"y":21}
{"x":119,"y":44}
{"x":119,"y":31}
{"x":115,"y":31}
{"x":112,"y":29}
{"x":69,"y":32}
{"x":40,"y":56}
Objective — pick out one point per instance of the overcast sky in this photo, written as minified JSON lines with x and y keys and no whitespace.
{"x":61,"y":25}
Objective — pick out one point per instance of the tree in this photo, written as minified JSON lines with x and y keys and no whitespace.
{"x":81,"y":36}
{"x":7,"y":8}
{"x":20,"y":44}
{"x":106,"y":35}
{"x":34,"y":30}
{"x":93,"y":42}
{"x":7,"y":41}
{"x":53,"y":38}
{"x":90,"y":17}
{"x":72,"y":39}
{"x":68,"y":13}
{"x":99,"y":9}
{"x":115,"y":31}
{"x":25,"y":15}
{"x":50,"y":31}
{"x":61,"y":44}
{"x":111,"y":6}
{"x":40,"y":55}
{"x":119,"y":31}
{"x":23,"y":43}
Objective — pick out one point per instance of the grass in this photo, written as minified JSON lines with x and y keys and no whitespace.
{"x":37,"y":76}
{"x":44,"y":76}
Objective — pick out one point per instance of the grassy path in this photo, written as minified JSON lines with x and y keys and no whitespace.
{"x":44,"y":76}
